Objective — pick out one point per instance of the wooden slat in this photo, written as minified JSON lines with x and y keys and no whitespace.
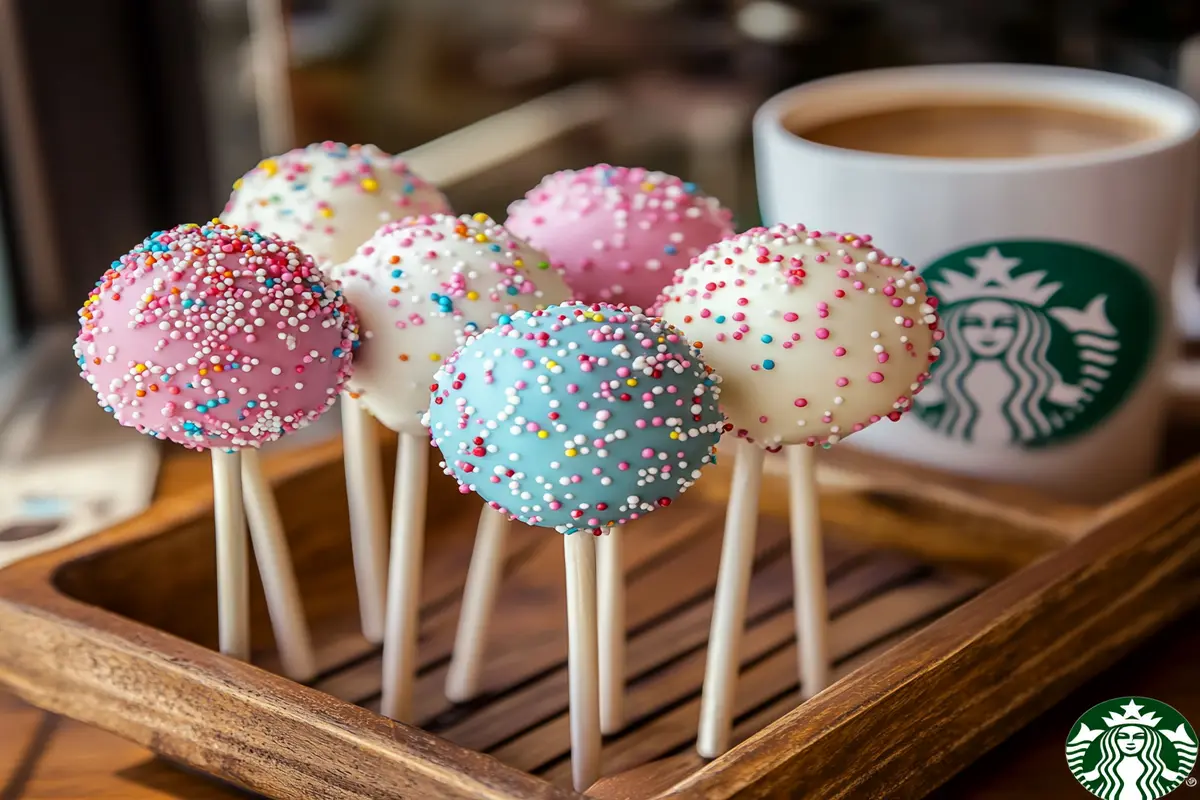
{"x":973,"y":677}
{"x":870,"y":628}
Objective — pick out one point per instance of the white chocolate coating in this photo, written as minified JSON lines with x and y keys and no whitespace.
{"x":815,"y":335}
{"x":421,"y":287}
{"x":329,"y":198}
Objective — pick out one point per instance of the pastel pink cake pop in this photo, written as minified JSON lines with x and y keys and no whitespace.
{"x":329,"y":197}
{"x":619,"y":233}
{"x":213,"y":336}
{"x":816,"y":335}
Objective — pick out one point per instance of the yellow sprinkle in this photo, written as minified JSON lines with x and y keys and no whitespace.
{"x":674,"y":434}
{"x":518,"y":262}
{"x":481,"y":237}
{"x":472,"y":295}
{"x":571,"y":452}
{"x":631,"y":382}
{"x":237,"y":184}
{"x":543,"y":434}
{"x":551,"y":363}
{"x":481,"y":217}
{"x":269,"y":166}
{"x":435,"y":357}
{"x":142,"y":368}
{"x":203,"y":372}
{"x":326,"y":212}
{"x":369,"y":184}
{"x":647,"y":186}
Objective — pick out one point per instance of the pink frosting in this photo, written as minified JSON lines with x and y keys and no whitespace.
{"x":214,"y":336}
{"x":618,"y":233}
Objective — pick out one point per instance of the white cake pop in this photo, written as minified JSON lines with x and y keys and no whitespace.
{"x":421,"y":287}
{"x":329,"y":197}
{"x":817,"y":335}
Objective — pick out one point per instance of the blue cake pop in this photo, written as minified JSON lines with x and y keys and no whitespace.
{"x":577,"y":416}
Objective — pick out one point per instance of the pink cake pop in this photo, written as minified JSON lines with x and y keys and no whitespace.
{"x":213,"y":336}
{"x":220,"y":338}
{"x":619,"y":233}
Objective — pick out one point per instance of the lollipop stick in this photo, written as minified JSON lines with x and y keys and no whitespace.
{"x":404,"y":579}
{"x":808,"y":571}
{"x":233,"y":556}
{"x":610,"y":590}
{"x":479,"y":598}
{"x":368,"y":518}
{"x":277,"y":573}
{"x":582,"y":666}
{"x":729,"y":605}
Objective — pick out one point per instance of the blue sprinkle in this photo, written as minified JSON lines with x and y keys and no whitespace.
{"x":512,"y":290}
{"x":689,"y":187}
{"x":766,"y":338}
{"x":252,"y":404}
{"x":670,"y":249}
{"x":337,"y":352}
{"x":503,"y":319}
{"x":396,"y":273}
{"x":720,"y":318}
{"x":768,"y":364}
{"x":223,"y":400}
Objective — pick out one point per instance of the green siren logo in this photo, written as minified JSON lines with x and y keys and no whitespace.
{"x":1043,"y":341}
{"x":1132,"y":748}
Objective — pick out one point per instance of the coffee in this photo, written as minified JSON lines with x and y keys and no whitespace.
{"x":978,"y":130}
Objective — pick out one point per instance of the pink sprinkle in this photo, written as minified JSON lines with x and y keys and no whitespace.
{"x":791,"y":316}
{"x":822,"y":333}
{"x":648,"y":452}
{"x":839,"y":351}
{"x":800,"y":402}
{"x":842,"y":381}
{"x":875,"y":377}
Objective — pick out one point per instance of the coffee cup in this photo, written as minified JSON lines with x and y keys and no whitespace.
{"x":1047,"y":209}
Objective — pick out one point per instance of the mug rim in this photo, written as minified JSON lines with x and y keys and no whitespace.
{"x":880,"y":89}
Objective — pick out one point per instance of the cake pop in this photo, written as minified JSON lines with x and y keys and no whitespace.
{"x":329,"y":198}
{"x":218,"y":339}
{"x":817,"y":335}
{"x":620,"y":233}
{"x":422,"y":286}
{"x":578,"y":418}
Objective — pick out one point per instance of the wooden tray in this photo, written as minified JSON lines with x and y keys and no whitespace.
{"x":959,"y":613}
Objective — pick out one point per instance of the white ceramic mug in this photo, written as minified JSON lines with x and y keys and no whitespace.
{"x":1053,"y":272}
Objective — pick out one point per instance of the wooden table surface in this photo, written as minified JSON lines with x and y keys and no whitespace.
{"x":46,"y":756}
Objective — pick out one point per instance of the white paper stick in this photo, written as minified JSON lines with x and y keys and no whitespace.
{"x":582,"y":658}
{"x":233,"y":556}
{"x":272,"y":76}
{"x":368,"y":514}
{"x":808,"y":571}
{"x":404,"y":578}
{"x":729,"y":605}
{"x":278,"y":575}
{"x":479,"y":598}
{"x":610,"y":591}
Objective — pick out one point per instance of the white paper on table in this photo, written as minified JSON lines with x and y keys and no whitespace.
{"x":67,"y":469}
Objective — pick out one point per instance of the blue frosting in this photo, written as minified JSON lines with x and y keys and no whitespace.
{"x":577,"y":417}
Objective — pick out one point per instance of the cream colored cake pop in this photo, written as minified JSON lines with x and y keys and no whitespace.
{"x":816,"y":335}
{"x":330,"y":197}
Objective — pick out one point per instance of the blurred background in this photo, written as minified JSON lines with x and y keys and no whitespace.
{"x":118,"y":117}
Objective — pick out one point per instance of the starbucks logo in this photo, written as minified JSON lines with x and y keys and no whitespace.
{"x":1131,"y":749}
{"x":1043,"y":341}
